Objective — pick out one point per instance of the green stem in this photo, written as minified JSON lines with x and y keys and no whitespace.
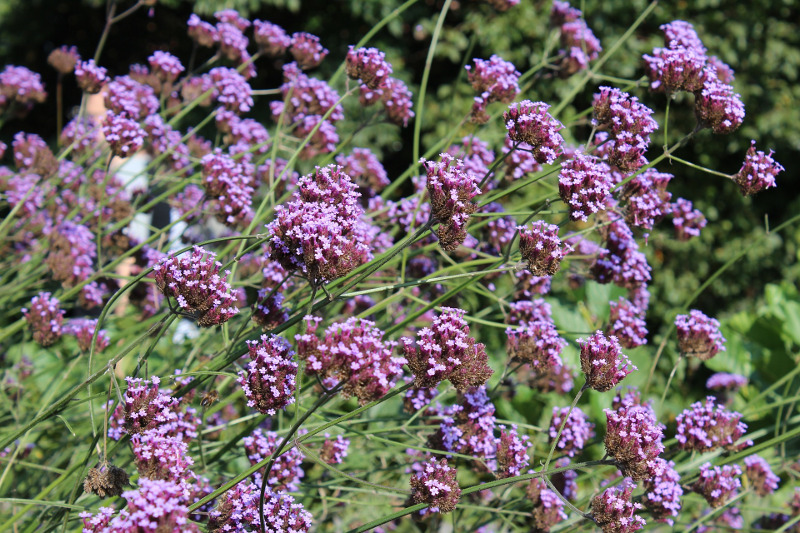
{"x":563,"y":424}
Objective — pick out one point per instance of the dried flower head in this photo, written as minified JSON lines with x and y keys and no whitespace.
{"x":105,"y":480}
{"x":63,"y":59}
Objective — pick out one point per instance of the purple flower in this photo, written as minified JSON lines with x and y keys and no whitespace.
{"x":83,"y":330}
{"x":286,"y":473}
{"x":621,"y":261}
{"x":157,"y":505}
{"x":451,"y":188}
{"x":269,"y":382}
{"x":707,"y":426}
{"x":682,"y":33}
{"x":201,"y":32}
{"x":127,"y":97}
{"x":579,"y":46}
{"x":548,"y":509}
{"x":366,"y":170}
{"x":676,"y":68}
{"x":195,"y":283}
{"x":647,"y":198}
{"x":758,"y":171}
{"x":525,"y":311}
{"x":629,"y":124}
{"x":229,"y":184}
{"x":512,"y":453}
{"x":304,"y":96}
{"x":718,"y":485}
{"x":90,"y":76}
{"x":368,"y":65}
{"x":495,"y":80}
{"x":271,"y":38}
{"x":584,"y":185}
{"x":759,"y":473}
{"x":687,"y":221}
{"x":334,"y":451}
{"x":124,"y":136}
{"x":165,"y":66}
{"x":436,"y":485}
{"x":45,"y":318}
{"x":145,"y":408}
{"x":476,"y":155}
{"x":63,"y":59}
{"x":161,"y":456}
{"x":521,"y":161}
{"x":20,"y":85}
{"x":231,"y":89}
{"x":529,"y":122}
{"x":633,"y":439}
{"x":445,"y":350}
{"x":626,"y":322}
{"x":268,"y":311}
{"x":603,"y":362}
{"x":541,"y":248}
{"x":613,"y":510}
{"x":529,"y":285}
{"x":468,"y":426}
{"x":239,"y":511}
{"x":662,"y":491}
{"x":352,"y":353}
{"x":562,"y":12}
{"x":307,"y":50}
{"x":536,"y":343}
{"x":323,"y":141}
{"x":718,"y":107}
{"x":699,"y":335}
{"x":577,"y":431}
{"x":72,"y":253}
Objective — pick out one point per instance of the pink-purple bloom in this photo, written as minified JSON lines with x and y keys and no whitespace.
{"x":529,"y":122}
{"x":663,"y":491}
{"x":707,"y":426}
{"x":83,"y":331}
{"x":633,"y":439}
{"x":436,"y":485}
{"x":124,"y":136}
{"x":45,"y":318}
{"x":577,"y":431}
{"x":269,"y":382}
{"x":761,"y":477}
{"x":718,"y":106}
{"x":307,"y":50}
{"x":238,"y":510}
{"x":165,"y":66}
{"x":687,"y":221}
{"x":758,"y":171}
{"x":603,"y":362}
{"x":512,"y":452}
{"x":368,"y":65}
{"x":626,"y":322}
{"x":584,"y":185}
{"x":537,"y":343}
{"x":541,"y":248}
{"x":271,"y":38}
{"x":334,"y":451}
{"x":699,"y":335}
{"x":718,"y":484}
{"x":21,"y":86}
{"x":495,"y":80}
{"x":548,"y":509}
{"x":613,"y":510}
{"x":286,"y":473}
{"x":90,"y":76}
{"x":629,"y":124}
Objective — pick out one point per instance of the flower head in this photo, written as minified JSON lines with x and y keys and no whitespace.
{"x":20,"y":85}
{"x":629,"y":124}
{"x":626,"y":322}
{"x":541,"y":248}
{"x":436,"y":485}
{"x":707,"y":426}
{"x":633,"y":439}
{"x":307,"y":50}
{"x":577,"y":431}
{"x":687,"y":221}
{"x":548,"y":509}
{"x":63,"y":59}
{"x":334,"y":451}
{"x":83,"y":330}
{"x":663,"y":491}
{"x":699,"y":335}
{"x":161,"y":456}
{"x":759,"y":473}
{"x":238,"y":510}
{"x":451,"y":188}
{"x":286,"y":473}
{"x":269,"y":382}
{"x":537,"y":343}
{"x":45,"y":318}
{"x":90,"y":76}
{"x":758,"y":171}
{"x":603,"y":362}
{"x":718,"y":484}
{"x":123,"y":135}
{"x":495,"y":80}
{"x":368,"y":65}
{"x":271,"y":38}
{"x":584,"y":185}
{"x":512,"y":452}
{"x":718,"y":107}
{"x":529,"y":122}
{"x":613,"y":510}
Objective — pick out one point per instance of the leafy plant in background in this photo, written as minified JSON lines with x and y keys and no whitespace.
{"x":310,"y":325}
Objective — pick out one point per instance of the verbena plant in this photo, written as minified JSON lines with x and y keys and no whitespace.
{"x":314,"y":342}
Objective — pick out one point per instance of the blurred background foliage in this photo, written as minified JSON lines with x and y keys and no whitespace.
{"x":759,"y":39}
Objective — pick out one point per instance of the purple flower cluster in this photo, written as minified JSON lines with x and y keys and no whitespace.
{"x":468,"y":426}
{"x":72,"y":253}
{"x":718,"y":107}
{"x":21,"y":86}
{"x":124,"y":136}
{"x":307,"y":50}
{"x":647,"y":198}
{"x":548,"y":509}
{"x":268,"y":311}
{"x":45,"y":318}
{"x":681,"y":65}
{"x":229,"y":184}
{"x":127,"y":97}
{"x":352,"y":353}
{"x":83,"y":331}
{"x":334,"y":451}
{"x":524,"y":311}
{"x":239,"y":511}
{"x":707,"y":426}
{"x":584,"y":185}
{"x":227,"y":34}
{"x":230,"y":89}
{"x":269,"y":382}
{"x":451,"y":188}
{"x":759,"y":473}
{"x":629,"y":124}
{"x":663,"y":491}
{"x":603,"y":362}
{"x":320,"y":231}
{"x":718,"y":485}
{"x":699,"y":335}
{"x":195,"y":283}
{"x":633,"y":439}
{"x":157,"y":505}
{"x":165,"y":66}
{"x":541,"y":248}
{"x":512,"y":452}
{"x":161,"y":456}
{"x":366,"y":170}
{"x":495,"y":80}
{"x":445,"y":350}
{"x":613,"y":510}
{"x":579,"y":45}
{"x":536,"y":343}
{"x":687,"y":221}
{"x":286,"y":473}
{"x":558,"y":379}
{"x":529,"y":122}
{"x":475,"y":154}
{"x":90,"y":76}
{"x":271,"y":38}
{"x":436,"y":484}
{"x":626,"y":323}
{"x":576,"y":433}
{"x":620,"y":261}
{"x":725,"y":381}
{"x":146,"y":408}
{"x":368,"y":65}
{"x":758,"y":171}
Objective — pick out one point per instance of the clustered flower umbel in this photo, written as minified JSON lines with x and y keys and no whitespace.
{"x":451,"y":188}
{"x":446,"y":351}
{"x":718,"y":484}
{"x":83,"y":330}
{"x":548,"y":508}
{"x":706,"y":426}
{"x":699,"y":335}
{"x":20,"y":86}
{"x":629,"y":124}
{"x":286,"y":473}
{"x":663,"y":491}
{"x":352,"y":353}
{"x":761,"y":477}
{"x":269,"y":382}
{"x":579,"y":44}
{"x":758,"y":171}
{"x":603,"y":362}
{"x":578,"y":430}
{"x":633,"y":438}
{"x":368,"y":65}
{"x":529,"y":122}
{"x":239,"y":511}
{"x":45,"y":318}
{"x":196,"y":285}
{"x":584,"y":185}
{"x":319,"y":232}
{"x":541,"y":248}
{"x":436,"y":484}
{"x":613,"y":510}
{"x":495,"y":80}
